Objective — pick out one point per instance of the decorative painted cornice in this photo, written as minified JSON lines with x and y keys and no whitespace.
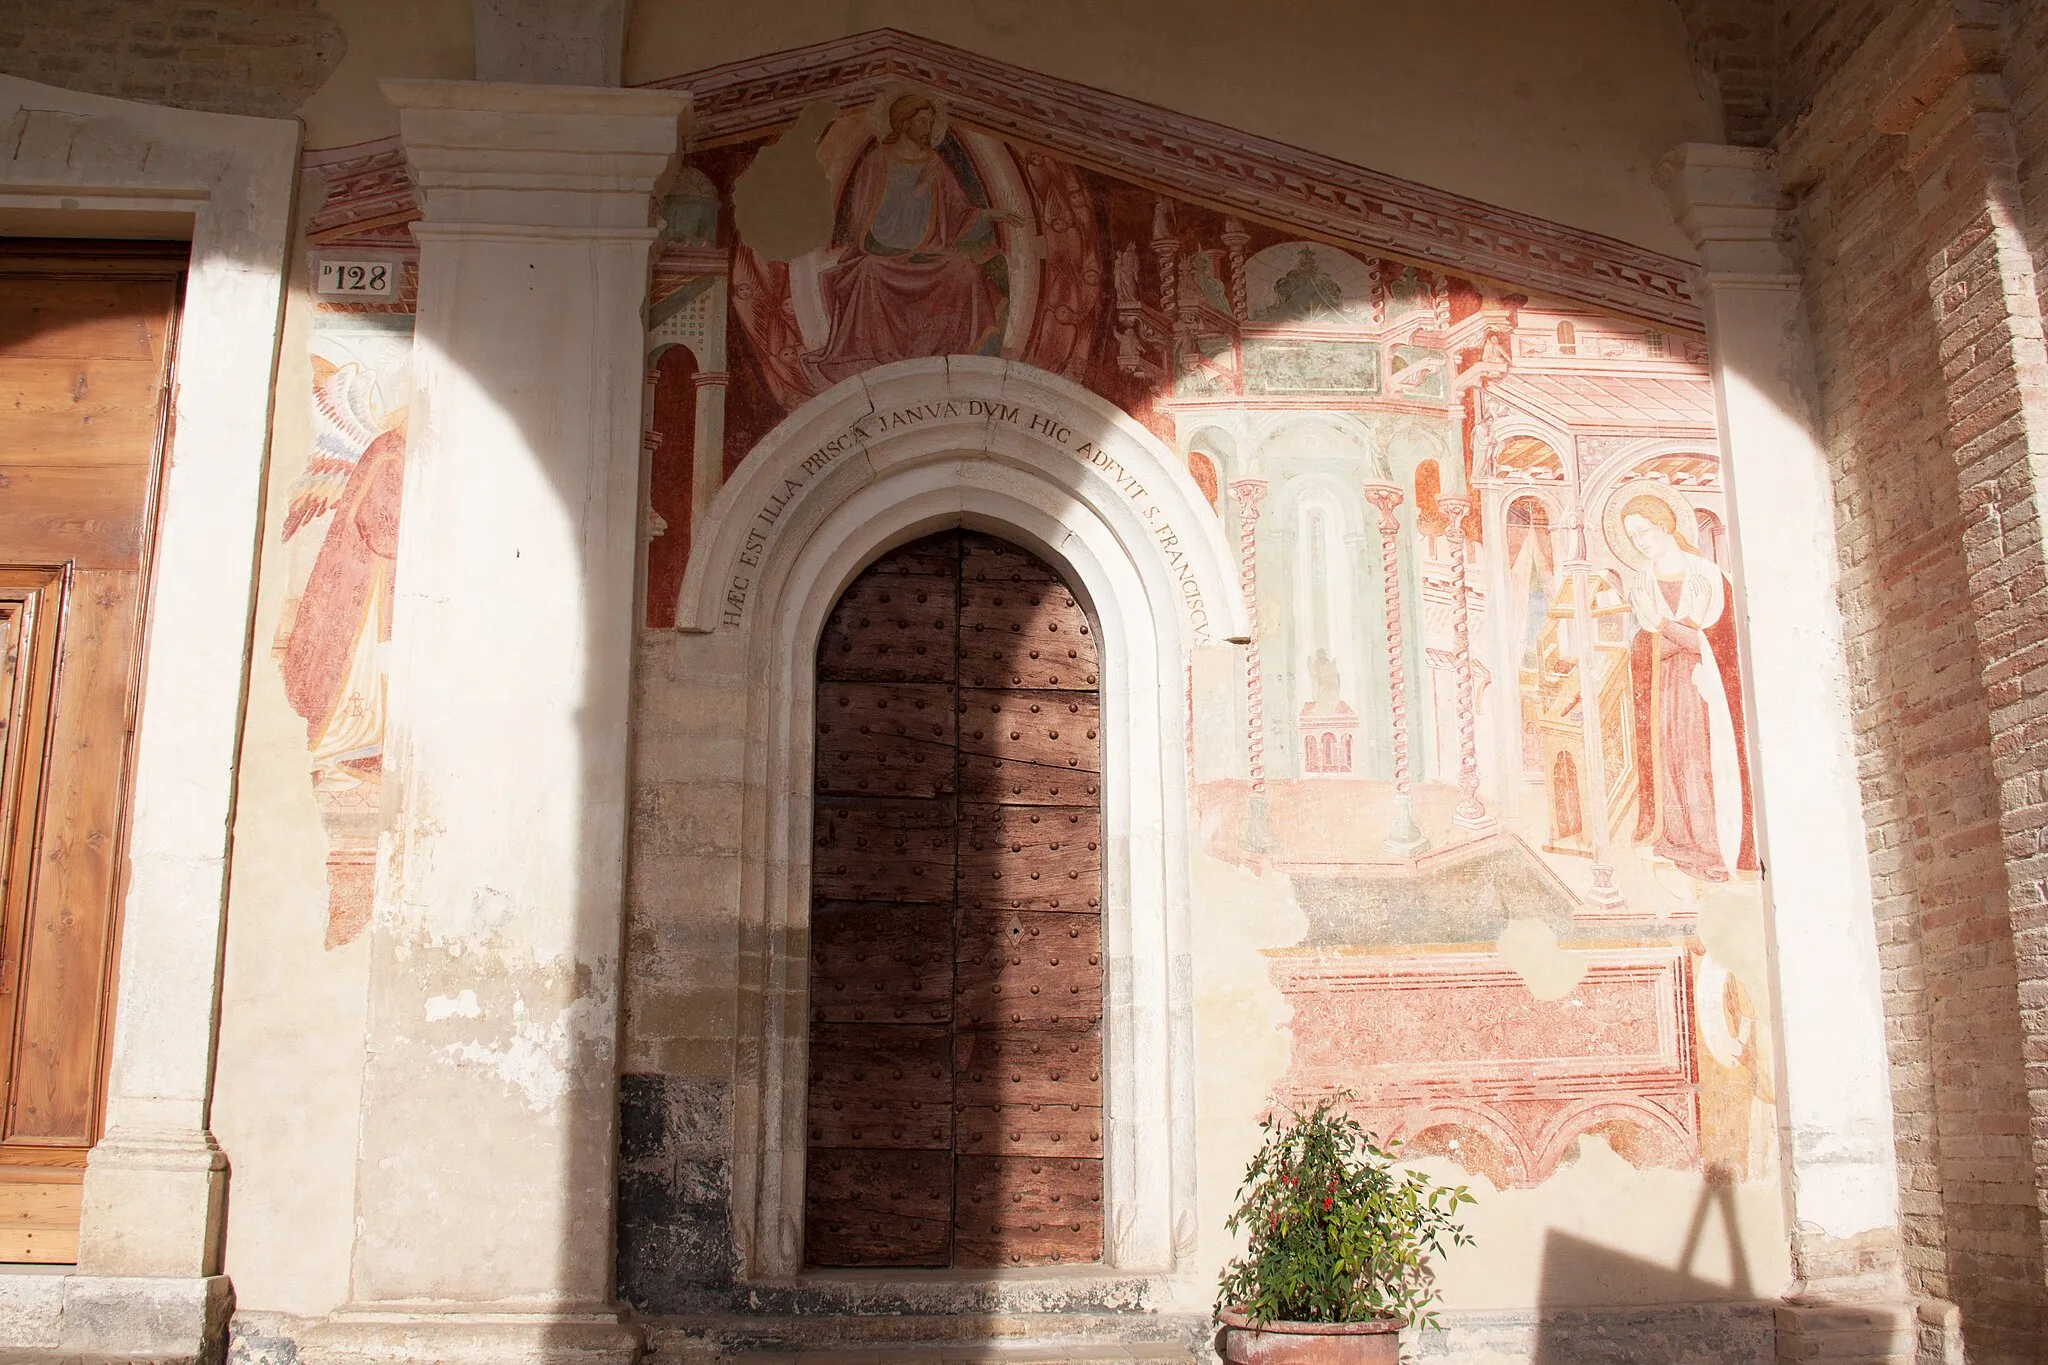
{"x":1245,"y":176}
{"x":1250,"y":177}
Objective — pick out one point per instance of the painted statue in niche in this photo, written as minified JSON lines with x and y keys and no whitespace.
{"x":331,"y":646}
{"x":1692,"y":804}
{"x":920,"y":271}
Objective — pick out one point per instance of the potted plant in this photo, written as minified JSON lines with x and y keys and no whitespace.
{"x":1339,"y":1251}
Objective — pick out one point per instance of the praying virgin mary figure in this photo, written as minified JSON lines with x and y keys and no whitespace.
{"x":1693,"y":791}
{"x":919,"y":271}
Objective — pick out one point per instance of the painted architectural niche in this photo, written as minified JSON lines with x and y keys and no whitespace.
{"x":1491,"y":706}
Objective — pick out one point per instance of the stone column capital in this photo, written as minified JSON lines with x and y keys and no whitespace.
{"x":551,"y":159}
{"x":1730,"y":202}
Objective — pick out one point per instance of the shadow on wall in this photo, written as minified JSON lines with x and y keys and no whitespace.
{"x":1690,"y":1317}
{"x":1687,"y":1317}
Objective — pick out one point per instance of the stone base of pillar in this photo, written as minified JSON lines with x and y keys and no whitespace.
{"x":1405,"y":840}
{"x":472,"y":1338}
{"x":1850,"y":1333}
{"x":1478,"y":821}
{"x":154,"y":1204}
{"x":125,"y":1316}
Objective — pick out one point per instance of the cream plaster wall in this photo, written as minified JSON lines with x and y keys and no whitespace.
{"x":1561,"y":110}
{"x":289,"y":1075}
{"x":432,"y":39}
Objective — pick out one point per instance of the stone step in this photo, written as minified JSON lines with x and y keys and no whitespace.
{"x":924,"y":1338}
{"x":957,"y":1353}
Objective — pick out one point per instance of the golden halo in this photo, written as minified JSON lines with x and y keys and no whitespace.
{"x":878,"y":112}
{"x":1618,"y":543}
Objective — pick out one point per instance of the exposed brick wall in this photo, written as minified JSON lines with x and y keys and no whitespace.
{"x":1922,"y":295}
{"x":1817,"y":38}
{"x":229,"y":56}
{"x":1734,"y":45}
{"x":1902,"y":588}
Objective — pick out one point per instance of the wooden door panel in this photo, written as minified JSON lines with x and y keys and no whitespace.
{"x":84,"y":346}
{"x":1045,"y":1066}
{"x":1057,"y":1130}
{"x":881,"y":1086}
{"x":985,"y":560}
{"x":884,"y":964}
{"x":933,"y":556}
{"x":82,"y":319}
{"x":39,"y":1216}
{"x":956,"y":944}
{"x":91,"y":412}
{"x":1030,"y":635}
{"x":1028,"y":970}
{"x":1057,"y":729}
{"x":1028,"y":1211}
{"x":891,"y":628}
{"x":886,"y":739}
{"x":864,"y":1207}
{"x":51,"y":514}
{"x":986,"y":780}
{"x":898,"y":851}
{"x":1031,"y":857}
{"x":65,"y":957}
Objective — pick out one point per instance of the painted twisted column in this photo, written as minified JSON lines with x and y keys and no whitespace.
{"x":1404,"y":840}
{"x":1605,"y":898}
{"x":1249,"y":494}
{"x":1235,"y":240}
{"x":1471,"y":812}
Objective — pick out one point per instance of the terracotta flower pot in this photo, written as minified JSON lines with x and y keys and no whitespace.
{"x":1377,"y":1342}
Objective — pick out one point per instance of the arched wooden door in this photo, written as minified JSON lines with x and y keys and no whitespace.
{"x":955,"y":1105}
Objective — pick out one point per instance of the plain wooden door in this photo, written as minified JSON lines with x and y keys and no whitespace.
{"x":955,"y":1108}
{"x":85,"y":344}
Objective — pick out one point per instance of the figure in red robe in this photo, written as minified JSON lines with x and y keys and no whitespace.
{"x":920,"y":271}
{"x":1693,"y":787}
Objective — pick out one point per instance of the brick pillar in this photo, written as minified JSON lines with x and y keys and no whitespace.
{"x":1834,"y":1083}
{"x":1980,"y":286}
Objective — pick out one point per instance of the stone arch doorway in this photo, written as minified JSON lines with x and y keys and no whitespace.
{"x":954,"y":1114}
{"x":911,"y":449}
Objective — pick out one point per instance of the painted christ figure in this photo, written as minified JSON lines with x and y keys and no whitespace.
{"x":919,"y":269}
{"x":1693,"y":791}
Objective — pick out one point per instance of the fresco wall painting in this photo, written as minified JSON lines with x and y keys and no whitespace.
{"x":341,"y":527}
{"x":1492,"y":695}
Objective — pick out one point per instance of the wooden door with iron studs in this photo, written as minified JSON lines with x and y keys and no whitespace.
{"x":955,"y":1101}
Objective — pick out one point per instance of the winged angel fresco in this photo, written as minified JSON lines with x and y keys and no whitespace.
{"x":332,"y":664}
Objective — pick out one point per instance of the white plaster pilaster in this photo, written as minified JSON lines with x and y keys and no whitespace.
{"x":1834,"y":1094}
{"x":485,"y":1177}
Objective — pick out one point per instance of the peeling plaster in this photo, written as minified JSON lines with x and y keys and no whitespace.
{"x":1529,"y":947}
{"x":441,"y":1007}
{"x":782,"y":204}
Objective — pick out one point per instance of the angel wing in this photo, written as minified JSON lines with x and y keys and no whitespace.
{"x":348,"y":413}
